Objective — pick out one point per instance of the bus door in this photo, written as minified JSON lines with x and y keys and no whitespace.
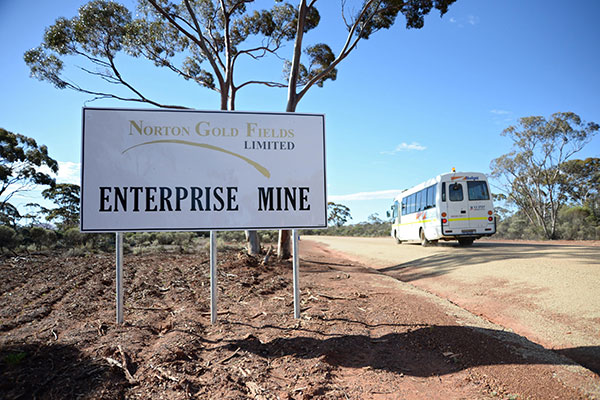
{"x":479,"y":204}
{"x":397,"y":213}
{"x":457,"y":208}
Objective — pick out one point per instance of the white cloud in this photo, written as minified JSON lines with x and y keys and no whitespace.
{"x":472,"y":19}
{"x":500,"y":112}
{"x":414,"y":146}
{"x":68,"y":172}
{"x":377,"y":195}
{"x":460,"y":22}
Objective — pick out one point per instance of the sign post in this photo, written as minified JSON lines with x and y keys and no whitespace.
{"x":213,"y":277}
{"x":188,"y":170}
{"x":119,"y":280}
{"x":295,"y":274}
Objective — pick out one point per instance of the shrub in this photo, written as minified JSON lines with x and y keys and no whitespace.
{"x":8,"y":238}
{"x":577,"y":223}
{"x":42,"y":237}
{"x":73,"y":237}
{"x":164,"y":238}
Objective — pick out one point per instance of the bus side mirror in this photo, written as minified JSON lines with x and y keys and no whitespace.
{"x":388,"y":214}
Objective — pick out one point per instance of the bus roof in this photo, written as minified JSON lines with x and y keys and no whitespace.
{"x":447,"y":177}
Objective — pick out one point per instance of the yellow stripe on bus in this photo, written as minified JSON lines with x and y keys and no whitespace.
{"x":415,"y":222}
{"x":468,"y":219}
{"x":435,"y":220}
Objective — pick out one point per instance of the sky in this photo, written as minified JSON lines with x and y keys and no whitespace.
{"x":406,"y":106}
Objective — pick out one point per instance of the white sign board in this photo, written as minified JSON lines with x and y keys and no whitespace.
{"x":164,"y":170}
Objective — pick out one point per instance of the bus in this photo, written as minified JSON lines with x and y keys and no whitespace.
{"x":452,"y":206}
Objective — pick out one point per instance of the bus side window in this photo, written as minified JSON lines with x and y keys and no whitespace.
{"x":404,"y":206}
{"x":455,"y":192}
{"x":430,"y":203}
{"x":409,"y":204}
{"x":419,"y":201}
{"x":443,"y":191}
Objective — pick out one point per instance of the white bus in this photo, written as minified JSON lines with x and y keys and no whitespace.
{"x":452,"y":206}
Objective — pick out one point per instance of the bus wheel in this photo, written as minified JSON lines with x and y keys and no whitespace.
{"x":465,"y":241}
{"x":424,"y":241}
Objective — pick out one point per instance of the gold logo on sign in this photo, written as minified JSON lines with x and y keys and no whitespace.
{"x":256,"y":165}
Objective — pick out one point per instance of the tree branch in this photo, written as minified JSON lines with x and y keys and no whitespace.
{"x":200,"y":40}
{"x":349,"y":46}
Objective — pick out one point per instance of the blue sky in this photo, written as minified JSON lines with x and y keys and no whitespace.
{"x":407,"y":104}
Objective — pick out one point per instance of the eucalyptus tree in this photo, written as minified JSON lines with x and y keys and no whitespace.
{"x":580,"y":181}
{"x":21,"y":160}
{"x":532,"y":174}
{"x":338,"y":214}
{"x":203,"y":41}
{"x":66,"y":197}
{"x":362,"y":19}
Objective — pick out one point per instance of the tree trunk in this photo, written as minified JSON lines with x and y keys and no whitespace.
{"x":253,"y":242}
{"x":283,"y":245}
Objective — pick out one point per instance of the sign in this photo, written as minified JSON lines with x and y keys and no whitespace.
{"x":165,"y":170}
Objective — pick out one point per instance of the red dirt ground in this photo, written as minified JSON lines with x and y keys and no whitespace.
{"x":362,"y":335}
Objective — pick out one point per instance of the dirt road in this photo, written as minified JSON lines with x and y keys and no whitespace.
{"x":549,"y":293}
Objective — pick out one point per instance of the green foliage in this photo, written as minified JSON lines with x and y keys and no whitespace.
{"x":232,"y":236}
{"x":338,"y":214}
{"x":580,"y":182}
{"x":66,"y":197}
{"x":240,"y":237}
{"x":8,"y":238}
{"x":517,"y":226}
{"x":578,"y":223}
{"x":531,"y":173}
{"x":382,"y":14}
{"x":20,"y":160}
{"x":201,"y":41}
{"x":9,"y":215}
{"x":42,"y":237}
{"x":573,"y":223}
{"x":72,"y":237}
{"x":365,"y":229}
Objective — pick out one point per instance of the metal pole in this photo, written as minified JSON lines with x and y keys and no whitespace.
{"x":295,"y":269}
{"x":213,"y":277}
{"x":119,"y":283}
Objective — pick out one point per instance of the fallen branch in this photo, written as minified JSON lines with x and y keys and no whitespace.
{"x":165,"y":374}
{"x":267,"y":256}
{"x":128,"y":375}
{"x":259,"y":314}
{"x":333,"y":297}
{"x":230,"y":356}
{"x":117,"y":364}
{"x":150,"y":308}
{"x":208,"y":313}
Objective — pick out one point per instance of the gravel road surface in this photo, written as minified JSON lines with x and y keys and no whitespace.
{"x":548,"y":292}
